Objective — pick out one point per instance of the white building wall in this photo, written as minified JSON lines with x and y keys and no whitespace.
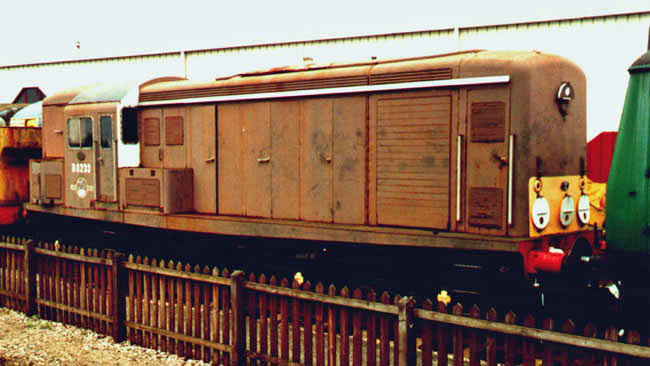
{"x":53,"y":77}
{"x":603,"y":47}
{"x":209,"y":64}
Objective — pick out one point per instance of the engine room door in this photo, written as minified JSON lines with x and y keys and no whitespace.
{"x":488,"y":125}
{"x":152,"y":152}
{"x":410,"y":158}
{"x":204,"y":155}
{"x":105,"y":156}
{"x":163,"y":138}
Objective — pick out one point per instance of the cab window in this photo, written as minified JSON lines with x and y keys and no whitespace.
{"x":80,"y":132}
{"x":106,"y":131}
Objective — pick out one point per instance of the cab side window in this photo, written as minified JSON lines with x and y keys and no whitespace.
{"x":80,"y":132}
{"x":106,"y":131}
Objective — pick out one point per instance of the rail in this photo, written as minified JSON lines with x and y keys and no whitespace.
{"x":228,"y":318}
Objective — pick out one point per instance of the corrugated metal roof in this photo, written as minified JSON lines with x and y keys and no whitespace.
{"x":360,"y":36}
{"x":34,"y":110}
{"x":8,"y":110}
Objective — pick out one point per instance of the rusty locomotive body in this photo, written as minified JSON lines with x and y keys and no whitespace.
{"x":476,"y":151}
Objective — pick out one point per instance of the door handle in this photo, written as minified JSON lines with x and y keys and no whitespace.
{"x":210,"y":159}
{"x":327,"y":159}
{"x":503,"y":161}
{"x":100,"y":160}
{"x":511,"y":158}
{"x":264,"y":160}
{"x":161,"y":154}
{"x":458,"y":174}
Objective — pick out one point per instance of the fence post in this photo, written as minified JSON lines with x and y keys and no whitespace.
{"x":238,"y":347}
{"x":118,"y":300}
{"x":406,"y":340}
{"x":30,"y":278}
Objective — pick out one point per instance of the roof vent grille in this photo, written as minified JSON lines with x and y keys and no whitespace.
{"x":345,"y":81}
{"x":411,"y":76}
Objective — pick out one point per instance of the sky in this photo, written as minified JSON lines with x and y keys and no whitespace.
{"x":49,"y":30}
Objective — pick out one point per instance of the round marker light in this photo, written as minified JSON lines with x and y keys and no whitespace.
{"x":81,"y":188}
{"x":567,"y":211}
{"x":583,"y":209}
{"x":565,"y":92}
{"x":540,"y":213}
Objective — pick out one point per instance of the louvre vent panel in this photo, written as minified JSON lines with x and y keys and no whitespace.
{"x":257,"y":88}
{"x":53,"y":186}
{"x":142,"y":192}
{"x":402,"y":77}
{"x":411,"y":76}
{"x":412,"y":169}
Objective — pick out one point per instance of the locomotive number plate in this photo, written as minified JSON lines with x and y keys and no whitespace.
{"x":81,"y":168}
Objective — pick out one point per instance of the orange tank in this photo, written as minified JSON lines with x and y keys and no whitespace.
{"x":17,"y":146}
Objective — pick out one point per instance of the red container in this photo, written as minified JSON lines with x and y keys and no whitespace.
{"x":599,"y":156}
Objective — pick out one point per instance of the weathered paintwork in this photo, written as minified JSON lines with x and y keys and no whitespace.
{"x":53,"y":122}
{"x":628,"y":190}
{"x":90,"y":168}
{"x":455,"y":156}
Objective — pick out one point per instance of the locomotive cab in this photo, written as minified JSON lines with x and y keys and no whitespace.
{"x":91,"y":134}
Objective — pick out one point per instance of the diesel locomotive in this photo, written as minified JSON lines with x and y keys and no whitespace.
{"x":475,"y":153}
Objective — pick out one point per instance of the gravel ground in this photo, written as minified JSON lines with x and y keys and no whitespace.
{"x":31,"y":341}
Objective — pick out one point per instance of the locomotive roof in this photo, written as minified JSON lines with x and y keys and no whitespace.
{"x":100,"y":92}
{"x":313,"y":72}
{"x":113,"y":92}
{"x":474,"y":63}
{"x":64,"y":97}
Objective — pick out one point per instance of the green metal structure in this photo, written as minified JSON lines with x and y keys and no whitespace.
{"x":628,"y":187}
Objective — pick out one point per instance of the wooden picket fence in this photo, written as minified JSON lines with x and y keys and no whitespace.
{"x":66,"y":284}
{"x":227,"y":318}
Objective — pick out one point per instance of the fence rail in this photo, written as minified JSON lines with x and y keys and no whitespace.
{"x":227,"y":318}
